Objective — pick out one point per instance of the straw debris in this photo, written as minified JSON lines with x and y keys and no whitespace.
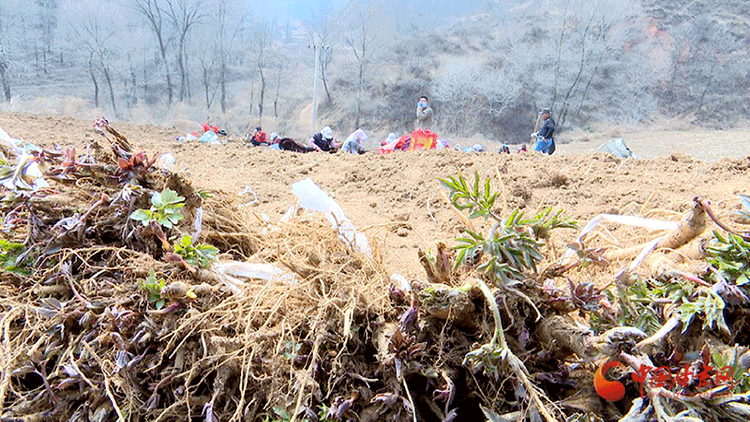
{"x":128,"y":294}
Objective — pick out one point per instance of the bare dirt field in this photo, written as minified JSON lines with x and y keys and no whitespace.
{"x":396,"y":199}
{"x":701,"y":144}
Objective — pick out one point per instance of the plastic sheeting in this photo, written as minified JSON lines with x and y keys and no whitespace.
{"x":617,"y":148}
{"x":311,"y":197}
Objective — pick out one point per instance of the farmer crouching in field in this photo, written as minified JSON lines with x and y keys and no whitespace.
{"x":353,"y":143}
{"x":545,"y":140}
{"x":289,"y":144}
{"x":323,"y":141}
{"x":259,"y":137}
{"x":424,"y":113}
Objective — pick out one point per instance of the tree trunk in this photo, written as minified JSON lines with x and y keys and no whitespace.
{"x":181,"y":65}
{"x":252,"y":95}
{"x":170,"y":93}
{"x":187,"y":83}
{"x":182,"y":62}
{"x":559,"y":60}
{"x":153,"y":13}
{"x":163,"y":49}
{"x":6,"y":79}
{"x":105,"y":69}
{"x":588,"y":84}
{"x":262,"y":94}
{"x":705,"y":89}
{"x":206,"y":86}
{"x":96,"y":84}
{"x":134,"y":89}
{"x":145,"y":81}
{"x":223,"y":82}
{"x":276,"y":99}
{"x":358,"y":111}
{"x":325,"y":86}
{"x":565,"y":104}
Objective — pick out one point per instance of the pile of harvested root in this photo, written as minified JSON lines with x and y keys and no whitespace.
{"x":110,"y":315}
{"x":126,"y":294}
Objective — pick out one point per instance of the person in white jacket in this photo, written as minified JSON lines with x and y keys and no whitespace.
{"x":353,"y":143}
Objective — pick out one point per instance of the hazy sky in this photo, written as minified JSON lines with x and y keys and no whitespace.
{"x":306,"y":9}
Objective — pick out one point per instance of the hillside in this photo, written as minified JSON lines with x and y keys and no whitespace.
{"x":487,"y":71}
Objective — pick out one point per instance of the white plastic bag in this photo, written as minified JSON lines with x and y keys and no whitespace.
{"x":231,"y":274}
{"x":166,"y":161}
{"x":26,"y":165}
{"x":209,"y":138}
{"x":311,"y":197}
{"x":7,"y":139}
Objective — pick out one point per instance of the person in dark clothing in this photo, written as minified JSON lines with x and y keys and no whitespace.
{"x":323,"y":141}
{"x":288,"y":144}
{"x":424,"y":113}
{"x":545,"y":139}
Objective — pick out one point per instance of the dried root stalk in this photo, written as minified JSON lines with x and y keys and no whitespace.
{"x":690,"y":227}
{"x":499,"y":347}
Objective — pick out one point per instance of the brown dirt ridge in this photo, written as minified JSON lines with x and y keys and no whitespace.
{"x":88,"y":333}
{"x":396,"y":197}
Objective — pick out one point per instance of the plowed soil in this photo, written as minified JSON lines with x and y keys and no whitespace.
{"x":396,"y":199}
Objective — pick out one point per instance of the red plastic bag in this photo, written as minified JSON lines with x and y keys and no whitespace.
{"x":397,"y":145}
{"x":423,"y":138}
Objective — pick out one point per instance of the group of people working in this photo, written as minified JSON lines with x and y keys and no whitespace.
{"x":320,"y":141}
{"x":543,"y":138}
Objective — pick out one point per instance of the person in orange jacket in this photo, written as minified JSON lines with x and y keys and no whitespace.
{"x":259,"y":137}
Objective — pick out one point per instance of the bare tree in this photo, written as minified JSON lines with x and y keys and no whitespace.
{"x":5,"y":71}
{"x":46,"y":25}
{"x":229,"y":23}
{"x":12,"y":15}
{"x":320,"y":33}
{"x":501,"y":89}
{"x":279,"y":73}
{"x":133,"y":56}
{"x":208,"y":61}
{"x":96,"y":37}
{"x":712,"y":47}
{"x":155,"y":16}
{"x":92,"y":73}
{"x":326,"y":57}
{"x":456,"y":90}
{"x":561,"y":42}
{"x":4,"y":64}
{"x":359,"y":39}
{"x":261,"y":43}
{"x":184,"y":15}
{"x":584,"y":50}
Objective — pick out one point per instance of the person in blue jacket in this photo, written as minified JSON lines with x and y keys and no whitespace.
{"x":545,"y":136}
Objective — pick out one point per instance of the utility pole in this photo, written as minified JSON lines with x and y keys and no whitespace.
{"x":315,"y":87}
